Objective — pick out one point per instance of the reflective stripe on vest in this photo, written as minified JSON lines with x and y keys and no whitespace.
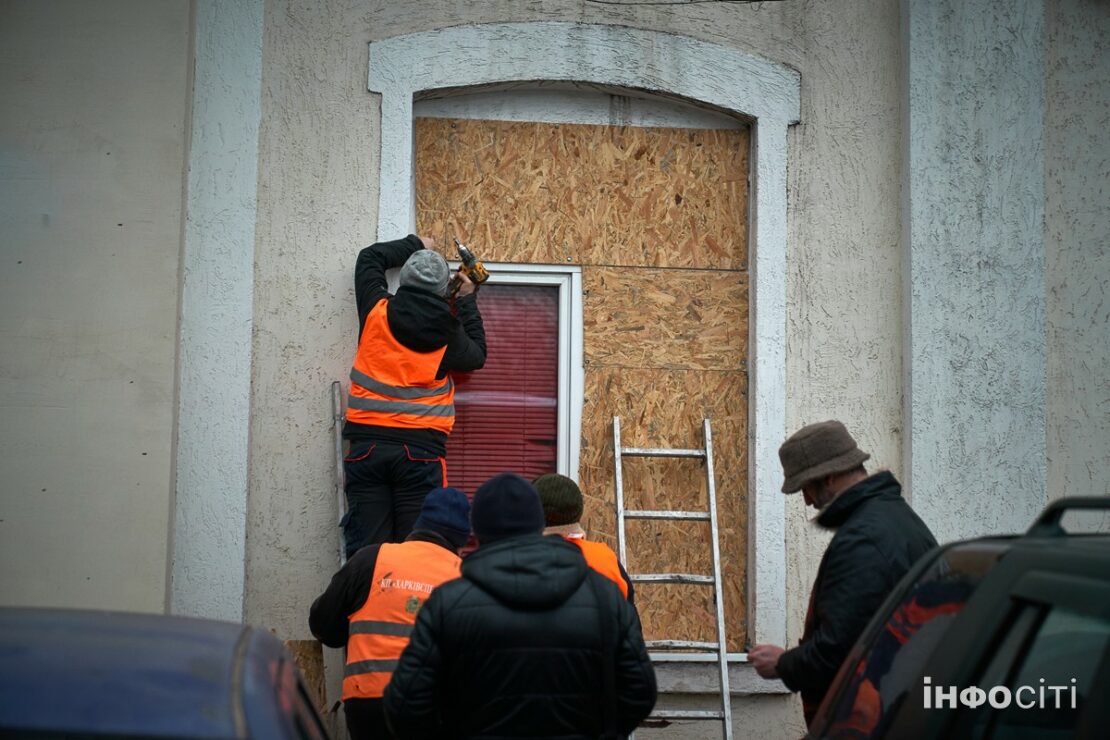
{"x":394,"y":386}
{"x":404,"y":576}
{"x":601,"y":558}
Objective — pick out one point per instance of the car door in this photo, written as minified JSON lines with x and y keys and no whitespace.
{"x":1037,"y":629}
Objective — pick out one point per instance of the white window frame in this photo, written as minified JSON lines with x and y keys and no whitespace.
{"x":571,"y":384}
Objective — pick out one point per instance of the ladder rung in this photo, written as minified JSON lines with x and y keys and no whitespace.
{"x":672,"y":578}
{"x":692,"y":644}
{"x":656,"y":452}
{"x":686,"y":714}
{"x":645,"y":514}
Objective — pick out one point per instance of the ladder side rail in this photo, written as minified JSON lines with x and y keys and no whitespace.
{"x":618,"y":485}
{"x":718,"y":586}
{"x":340,"y":483}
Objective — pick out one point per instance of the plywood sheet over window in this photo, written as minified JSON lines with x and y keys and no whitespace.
{"x":658,"y":220}
{"x":586,"y":194}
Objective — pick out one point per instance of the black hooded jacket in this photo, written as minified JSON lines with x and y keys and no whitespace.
{"x":421,"y":321}
{"x":514,"y":649}
{"x":878,"y":539}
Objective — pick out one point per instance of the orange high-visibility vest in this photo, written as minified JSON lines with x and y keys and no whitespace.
{"x":404,"y":577}
{"x":394,"y":386}
{"x":602,"y":559}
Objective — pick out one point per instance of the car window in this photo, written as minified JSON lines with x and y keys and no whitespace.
{"x":1047,"y":679}
{"x":891,"y":665}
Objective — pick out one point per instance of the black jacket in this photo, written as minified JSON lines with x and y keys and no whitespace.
{"x":514,"y":649}
{"x":420,"y":320}
{"x":878,"y":538}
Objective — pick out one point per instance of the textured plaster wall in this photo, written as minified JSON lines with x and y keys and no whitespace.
{"x":91,"y":155}
{"x":316,"y":208}
{"x":844,"y":333}
{"x":1077,"y":246}
{"x":975,"y":179}
{"x":210,"y":528}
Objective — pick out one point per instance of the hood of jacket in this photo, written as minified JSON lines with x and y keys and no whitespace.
{"x":420,"y":320}
{"x":880,"y":485}
{"x":527,"y":572}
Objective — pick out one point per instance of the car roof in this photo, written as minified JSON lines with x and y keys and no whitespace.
{"x":1082,"y":543}
{"x":120,"y":673}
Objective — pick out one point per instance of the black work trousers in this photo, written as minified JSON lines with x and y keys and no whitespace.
{"x":366,"y":719}
{"x":386,"y":483}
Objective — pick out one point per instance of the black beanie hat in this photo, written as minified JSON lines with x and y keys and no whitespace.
{"x":561,"y":498}
{"x":506,"y":506}
{"x":447,"y":513}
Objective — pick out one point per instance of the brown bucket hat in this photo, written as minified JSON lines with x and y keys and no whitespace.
{"x":818,"y":450}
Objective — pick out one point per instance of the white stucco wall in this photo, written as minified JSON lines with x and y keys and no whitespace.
{"x":91,"y":156}
{"x":976,"y":357}
{"x":210,"y":514}
{"x":1077,"y":246}
{"x":844,"y":331}
{"x":317,"y":207}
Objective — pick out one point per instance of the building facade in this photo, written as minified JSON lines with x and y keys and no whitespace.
{"x":888,"y":213}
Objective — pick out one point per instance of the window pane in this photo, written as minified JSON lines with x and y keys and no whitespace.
{"x":1068,"y":646}
{"x":506,"y":414}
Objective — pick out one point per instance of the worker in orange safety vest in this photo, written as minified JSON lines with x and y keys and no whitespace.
{"x":400,"y":408}
{"x":371,"y":604}
{"x":562,"y":512}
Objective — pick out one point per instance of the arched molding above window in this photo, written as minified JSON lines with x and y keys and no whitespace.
{"x":764,"y":93}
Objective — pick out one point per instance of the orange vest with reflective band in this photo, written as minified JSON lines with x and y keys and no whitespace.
{"x":602,"y":559}
{"x":404,"y":577}
{"x":394,"y":386}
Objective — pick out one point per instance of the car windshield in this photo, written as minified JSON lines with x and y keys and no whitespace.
{"x":881,"y":677}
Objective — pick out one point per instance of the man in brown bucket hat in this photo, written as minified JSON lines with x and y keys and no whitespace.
{"x":878,"y":537}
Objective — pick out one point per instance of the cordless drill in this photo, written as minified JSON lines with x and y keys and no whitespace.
{"x":471,"y":267}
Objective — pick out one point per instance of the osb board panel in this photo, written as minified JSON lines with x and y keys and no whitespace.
{"x":309,"y":656}
{"x":664,"y":346}
{"x":648,"y":317}
{"x":585,"y":194}
{"x":665,"y":408}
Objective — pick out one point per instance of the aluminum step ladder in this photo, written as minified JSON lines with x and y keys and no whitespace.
{"x":720,"y":647}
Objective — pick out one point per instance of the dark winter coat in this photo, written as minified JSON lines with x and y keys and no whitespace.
{"x":421,"y":321}
{"x":514,"y":649}
{"x":878,"y":538}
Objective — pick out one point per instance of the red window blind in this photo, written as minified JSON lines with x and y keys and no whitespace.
{"x":506,"y":418}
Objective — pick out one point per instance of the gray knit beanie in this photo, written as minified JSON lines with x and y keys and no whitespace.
{"x":427,"y":270}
